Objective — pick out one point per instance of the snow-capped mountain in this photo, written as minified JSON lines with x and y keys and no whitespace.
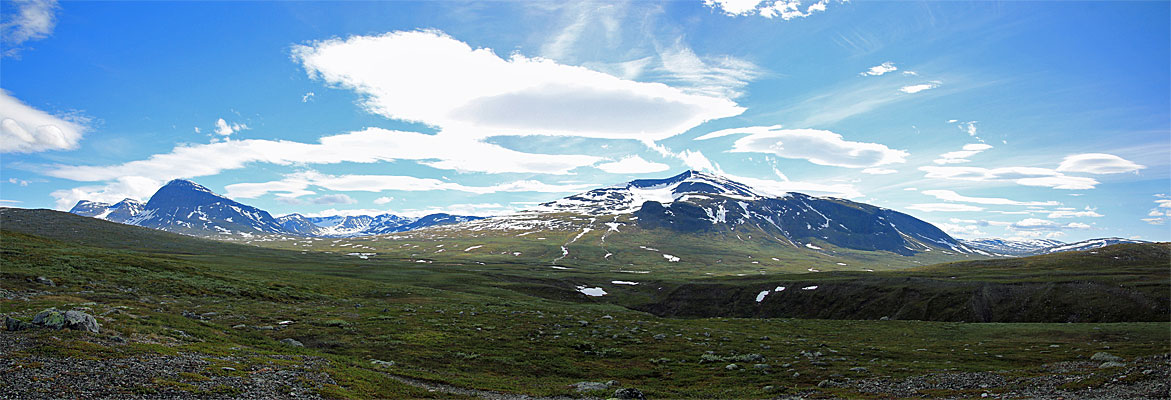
{"x":1087,"y":245}
{"x":121,"y":211}
{"x":1008,"y":247}
{"x":629,"y":197}
{"x":696,"y":203}
{"x":183,"y":206}
{"x":186,"y":207}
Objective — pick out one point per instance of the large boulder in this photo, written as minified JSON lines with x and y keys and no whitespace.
{"x":81,"y":321}
{"x":55,"y":319}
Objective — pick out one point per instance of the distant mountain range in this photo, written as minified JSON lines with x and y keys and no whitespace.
{"x":1031,"y":247}
{"x":691,"y":203}
{"x":183,"y":206}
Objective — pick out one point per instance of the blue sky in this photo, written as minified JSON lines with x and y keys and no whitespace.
{"x":1013,"y":119}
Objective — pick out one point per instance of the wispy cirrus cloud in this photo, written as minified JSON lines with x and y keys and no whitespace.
{"x":32,"y":20}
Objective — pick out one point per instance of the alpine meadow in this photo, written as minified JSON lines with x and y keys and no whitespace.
{"x":517,"y":200}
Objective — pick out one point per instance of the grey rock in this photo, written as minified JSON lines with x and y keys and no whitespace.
{"x":382,"y":363}
{"x":1102,"y":356}
{"x":731,"y":367}
{"x":1111,"y":364}
{"x":50,"y":318}
{"x":859,"y":369}
{"x":13,"y":324}
{"x":762,"y":367}
{"x":81,"y":321}
{"x":588,"y":386}
{"x":45,"y":281}
{"x":660,"y":336}
{"x":292,"y":342}
{"x":628,"y":393}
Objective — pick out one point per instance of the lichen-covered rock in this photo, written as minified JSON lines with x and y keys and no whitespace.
{"x":13,"y":324}
{"x":50,"y":318}
{"x":292,"y":342}
{"x":53,"y":318}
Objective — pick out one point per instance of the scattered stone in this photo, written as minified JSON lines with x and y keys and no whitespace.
{"x":240,"y":326}
{"x":229,"y":369}
{"x":884,"y":318}
{"x":660,"y":336}
{"x":1111,"y":364}
{"x":382,"y":363}
{"x":583,"y":323}
{"x":45,"y":281}
{"x":762,"y":367}
{"x":588,"y":386}
{"x":628,"y":393}
{"x":731,"y":367}
{"x":292,"y":342}
{"x":1102,"y":356}
{"x":859,"y":369}
{"x":189,"y":314}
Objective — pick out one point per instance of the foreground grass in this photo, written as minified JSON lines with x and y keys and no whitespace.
{"x":482,"y":327}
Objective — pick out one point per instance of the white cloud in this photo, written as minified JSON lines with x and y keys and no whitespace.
{"x":633,"y":165}
{"x":333,"y":199}
{"x":223,"y":128}
{"x":134,"y":187}
{"x":961,"y":156}
{"x":817,"y":146}
{"x":1027,"y":176}
{"x":1162,"y":211}
{"x":790,"y":9}
{"x":308,"y":96}
{"x":965,"y":231}
{"x":24,"y":129}
{"x":33,"y":20}
{"x":366,"y":146}
{"x":428,"y":77}
{"x":475,"y":209}
{"x":383,"y":200}
{"x":298,"y":184}
{"x":1044,"y":225}
{"x":1088,"y":212}
{"x":1098,"y":163}
{"x":880,"y":69}
{"x":20,"y":182}
{"x":953,"y":196}
{"x":912,"y":89}
{"x":734,"y":7}
{"x":879,"y":171}
{"x":944,"y":207}
{"x":777,"y":188}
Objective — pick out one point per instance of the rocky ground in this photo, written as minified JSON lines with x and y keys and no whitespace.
{"x":151,"y":376}
{"x":1104,"y":377}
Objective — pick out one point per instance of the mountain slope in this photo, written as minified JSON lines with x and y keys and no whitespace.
{"x":692,"y":223}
